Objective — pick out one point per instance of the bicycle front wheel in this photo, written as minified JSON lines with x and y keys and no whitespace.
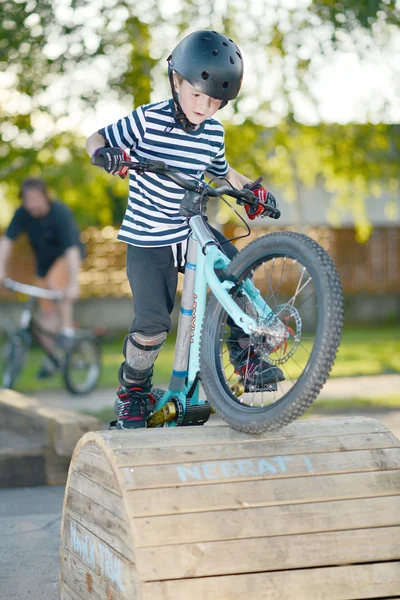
{"x":296,"y":344}
{"x":82,"y":365}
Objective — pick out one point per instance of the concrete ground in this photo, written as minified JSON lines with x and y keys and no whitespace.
{"x":30,"y":518}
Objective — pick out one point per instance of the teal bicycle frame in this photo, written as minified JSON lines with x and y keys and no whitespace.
{"x":203,"y":257}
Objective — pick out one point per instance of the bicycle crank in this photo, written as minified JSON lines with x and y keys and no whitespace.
{"x":166,"y":414}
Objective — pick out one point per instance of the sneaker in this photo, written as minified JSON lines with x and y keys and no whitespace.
{"x":132,"y":407}
{"x":256,"y":373}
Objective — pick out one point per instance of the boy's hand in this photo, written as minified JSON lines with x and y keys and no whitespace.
{"x":113,"y":157}
{"x":264,"y":196}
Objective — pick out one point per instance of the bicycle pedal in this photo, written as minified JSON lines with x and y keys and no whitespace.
{"x":197,"y":414}
{"x":112,"y":425}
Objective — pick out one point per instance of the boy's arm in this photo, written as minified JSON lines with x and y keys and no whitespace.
{"x":94,"y":141}
{"x":236,"y":179}
{"x":239,"y":181}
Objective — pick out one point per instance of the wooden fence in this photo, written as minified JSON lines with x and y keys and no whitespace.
{"x":372,"y":267}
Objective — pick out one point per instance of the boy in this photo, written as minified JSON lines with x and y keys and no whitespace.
{"x":205,"y":72}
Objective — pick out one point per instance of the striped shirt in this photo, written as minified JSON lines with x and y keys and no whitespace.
{"x":152,"y":216}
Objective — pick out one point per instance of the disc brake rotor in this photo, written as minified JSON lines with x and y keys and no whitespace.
{"x":267,"y":347}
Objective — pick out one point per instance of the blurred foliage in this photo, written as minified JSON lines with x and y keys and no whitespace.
{"x":351,"y":14}
{"x":352,"y":161}
{"x":41,"y":45}
{"x":52,"y":49}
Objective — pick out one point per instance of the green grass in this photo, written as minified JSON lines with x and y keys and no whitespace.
{"x":368,"y":351}
{"x":356,"y":404}
{"x":372,"y":351}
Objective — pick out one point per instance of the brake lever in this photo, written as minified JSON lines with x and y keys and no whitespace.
{"x":272,"y":212}
{"x":249,"y":196}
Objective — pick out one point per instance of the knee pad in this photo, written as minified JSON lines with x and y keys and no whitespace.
{"x":140,"y":353}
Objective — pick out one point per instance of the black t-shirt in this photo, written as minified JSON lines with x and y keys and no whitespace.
{"x":50,"y":236}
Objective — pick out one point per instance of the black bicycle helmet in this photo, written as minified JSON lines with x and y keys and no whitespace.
{"x":211,"y":63}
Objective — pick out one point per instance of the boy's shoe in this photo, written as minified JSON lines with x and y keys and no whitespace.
{"x":256,"y":373}
{"x":132,"y":407}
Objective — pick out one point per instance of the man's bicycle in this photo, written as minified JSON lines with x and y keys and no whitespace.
{"x":79,"y":362}
{"x":281,"y":294}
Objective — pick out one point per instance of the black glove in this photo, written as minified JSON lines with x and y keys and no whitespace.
{"x":113,"y":157}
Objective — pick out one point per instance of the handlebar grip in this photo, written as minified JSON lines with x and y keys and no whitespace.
{"x":98,"y":161}
{"x":277,"y":214}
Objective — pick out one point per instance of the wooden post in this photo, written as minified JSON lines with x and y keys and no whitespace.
{"x":308,"y":512}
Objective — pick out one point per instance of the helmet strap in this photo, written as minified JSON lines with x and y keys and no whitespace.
{"x":179,"y":115}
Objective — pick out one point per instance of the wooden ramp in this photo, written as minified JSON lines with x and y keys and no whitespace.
{"x":309,"y":512}
{"x":37,"y":441}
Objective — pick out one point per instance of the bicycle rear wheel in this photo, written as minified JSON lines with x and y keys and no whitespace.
{"x":82,"y":365}
{"x":299,"y":282}
{"x":14,"y":347}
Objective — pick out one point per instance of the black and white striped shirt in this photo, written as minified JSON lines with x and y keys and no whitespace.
{"x":152,"y":216}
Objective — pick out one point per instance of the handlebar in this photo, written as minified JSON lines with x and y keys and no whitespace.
{"x":192,"y":185}
{"x":32,"y":290}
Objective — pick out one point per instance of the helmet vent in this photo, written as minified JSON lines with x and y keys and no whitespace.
{"x":224,"y":43}
{"x":225,"y":85}
{"x":232,"y":61}
{"x":214,"y":52}
{"x":205,"y":39}
{"x":238,"y":55}
{"x":205,"y":75}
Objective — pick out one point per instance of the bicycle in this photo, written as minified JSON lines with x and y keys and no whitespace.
{"x":79,"y":363}
{"x":297,"y":325}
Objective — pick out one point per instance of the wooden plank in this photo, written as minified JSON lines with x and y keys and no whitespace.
{"x":20,"y":414}
{"x":269,"y":554}
{"x":241,"y":494}
{"x":288,"y":519}
{"x":80,"y":581}
{"x":67,"y":593}
{"x":106,"y":526}
{"x":110,"y":500}
{"x":56,"y":467}
{"x":134,"y":457}
{"x":22,"y":467}
{"x":82,"y":553}
{"x":67,"y":427}
{"x":183,"y":436}
{"x":92,"y":463}
{"x":262,"y":467}
{"x":353,"y":582}
{"x":47,"y":426}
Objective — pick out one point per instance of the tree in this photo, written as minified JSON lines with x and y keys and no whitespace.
{"x":58,"y":60}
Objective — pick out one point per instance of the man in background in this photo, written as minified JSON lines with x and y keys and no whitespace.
{"x":54,"y":236}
